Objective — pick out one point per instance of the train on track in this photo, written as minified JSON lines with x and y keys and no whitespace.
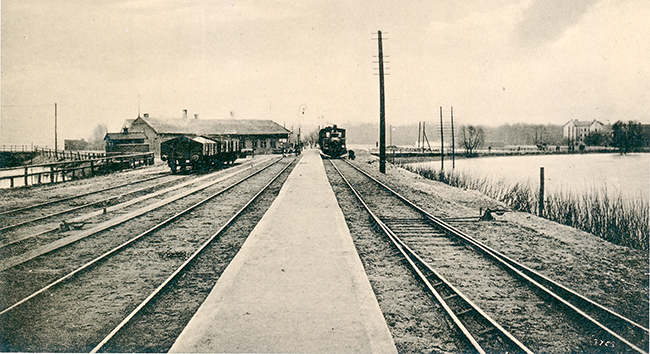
{"x":198,"y":152}
{"x":332,"y":143}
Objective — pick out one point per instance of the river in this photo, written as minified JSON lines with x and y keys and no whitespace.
{"x":628,"y":174}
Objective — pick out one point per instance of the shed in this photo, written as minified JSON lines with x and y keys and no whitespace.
{"x":126,"y":143}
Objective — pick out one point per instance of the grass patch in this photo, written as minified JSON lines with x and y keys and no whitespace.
{"x":615,"y":219}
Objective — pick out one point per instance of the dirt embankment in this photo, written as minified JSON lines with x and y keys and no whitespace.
{"x":612,"y":275}
{"x":14,"y":159}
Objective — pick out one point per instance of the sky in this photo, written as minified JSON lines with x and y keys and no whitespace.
{"x":313,"y":62}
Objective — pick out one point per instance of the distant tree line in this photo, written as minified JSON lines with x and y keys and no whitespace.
{"x":504,"y":135}
{"x":626,"y":136}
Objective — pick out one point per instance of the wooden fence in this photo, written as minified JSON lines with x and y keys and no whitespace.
{"x":16,"y":148}
{"x":67,"y":154}
{"x":71,"y":170}
{"x":58,"y":154}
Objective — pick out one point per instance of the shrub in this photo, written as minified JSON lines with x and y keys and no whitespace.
{"x":615,"y":219}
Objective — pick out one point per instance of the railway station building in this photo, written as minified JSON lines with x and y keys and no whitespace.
{"x":256,"y":135}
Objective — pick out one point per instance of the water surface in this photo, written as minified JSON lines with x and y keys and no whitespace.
{"x":628,"y":174}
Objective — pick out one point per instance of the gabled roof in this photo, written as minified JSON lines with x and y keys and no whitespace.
{"x":213,"y":126}
{"x":582,"y":123}
{"x":125,"y":136}
{"x":202,"y":140}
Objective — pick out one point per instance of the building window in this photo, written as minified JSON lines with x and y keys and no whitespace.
{"x":254,"y":144}
{"x":263,"y":144}
{"x":273,"y":144}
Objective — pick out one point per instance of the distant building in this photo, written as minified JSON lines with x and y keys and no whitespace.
{"x":76,"y":145}
{"x":262,"y":136}
{"x":575,"y":131}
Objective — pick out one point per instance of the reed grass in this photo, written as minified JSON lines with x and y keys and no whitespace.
{"x":612,"y":218}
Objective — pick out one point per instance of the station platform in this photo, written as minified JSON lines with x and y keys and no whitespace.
{"x":296,"y":285}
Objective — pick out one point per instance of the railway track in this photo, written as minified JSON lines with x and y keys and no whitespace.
{"x":40,"y":214}
{"x":110,"y":289}
{"x":432,"y":247}
{"x":22,"y":209}
{"x":20,"y":237}
{"x":180,"y":270}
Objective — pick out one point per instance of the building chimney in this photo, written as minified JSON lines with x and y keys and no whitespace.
{"x":146,"y":115}
{"x":196,"y":116}
{"x":185,"y":114}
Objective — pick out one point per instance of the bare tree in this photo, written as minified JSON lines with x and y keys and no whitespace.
{"x":472,"y":138}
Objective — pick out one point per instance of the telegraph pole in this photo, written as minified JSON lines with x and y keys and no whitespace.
{"x":382,"y":113}
{"x":55,"y":127}
{"x":453,"y":143}
{"x":442,"y":144}
{"x":424,"y":134}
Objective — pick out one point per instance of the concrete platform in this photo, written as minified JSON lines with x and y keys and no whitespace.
{"x":296,"y":285}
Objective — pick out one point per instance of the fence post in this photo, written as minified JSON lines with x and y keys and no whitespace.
{"x":26,"y":172}
{"x":541,"y":191}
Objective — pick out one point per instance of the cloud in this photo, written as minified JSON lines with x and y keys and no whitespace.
{"x":546,"y":20}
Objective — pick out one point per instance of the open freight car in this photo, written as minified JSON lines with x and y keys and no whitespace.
{"x":198,"y":152}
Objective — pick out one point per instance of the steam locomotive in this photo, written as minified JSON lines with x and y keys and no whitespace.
{"x":198,"y":152}
{"x":332,"y":142}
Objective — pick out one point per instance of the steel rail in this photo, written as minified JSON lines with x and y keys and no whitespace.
{"x":184,"y":184}
{"x":128,"y":242}
{"x":536,"y":279}
{"x":182,"y":267}
{"x":22,"y":223}
{"x":12,"y":211}
{"x":414,"y":259}
{"x":13,"y":261}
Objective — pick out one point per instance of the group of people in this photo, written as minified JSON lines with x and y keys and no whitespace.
{"x":294,"y":149}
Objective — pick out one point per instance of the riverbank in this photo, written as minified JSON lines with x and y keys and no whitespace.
{"x":608,"y":215}
{"x":410,"y":155}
